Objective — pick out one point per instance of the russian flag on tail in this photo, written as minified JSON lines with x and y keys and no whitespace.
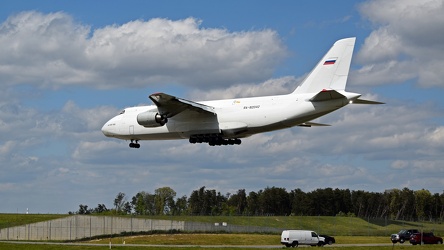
{"x":330,"y":61}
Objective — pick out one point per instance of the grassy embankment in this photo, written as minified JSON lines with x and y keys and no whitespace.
{"x":12,"y":220}
{"x":10,"y":246}
{"x":347,"y":230}
{"x":331,"y":225}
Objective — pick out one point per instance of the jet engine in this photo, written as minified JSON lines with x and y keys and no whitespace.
{"x":151,"y":119}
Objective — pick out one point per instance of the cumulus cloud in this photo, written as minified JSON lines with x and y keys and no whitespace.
{"x":407,"y":42}
{"x":275,"y":86}
{"x":52,"y":50}
{"x":26,"y":132}
{"x":6,"y":147}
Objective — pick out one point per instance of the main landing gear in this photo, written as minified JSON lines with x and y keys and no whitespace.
{"x":134,"y":144}
{"x":214,"y":140}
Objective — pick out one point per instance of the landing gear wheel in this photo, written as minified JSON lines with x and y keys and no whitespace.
{"x":134,"y":145}
{"x":213,"y":140}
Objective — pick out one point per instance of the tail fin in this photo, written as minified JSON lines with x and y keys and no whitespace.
{"x":332,"y":71}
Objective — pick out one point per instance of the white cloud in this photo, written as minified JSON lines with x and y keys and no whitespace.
{"x":380,"y":45}
{"x":385,"y":72}
{"x":400,"y":164}
{"x":407,"y":43}
{"x":6,"y":147}
{"x":275,"y":86}
{"x":52,"y":50}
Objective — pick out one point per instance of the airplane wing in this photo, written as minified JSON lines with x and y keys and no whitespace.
{"x":170,"y":106}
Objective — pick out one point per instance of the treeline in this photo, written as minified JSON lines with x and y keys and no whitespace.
{"x":395,"y":204}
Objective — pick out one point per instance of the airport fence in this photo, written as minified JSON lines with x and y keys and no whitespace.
{"x":83,"y":226}
{"x":78,"y":227}
{"x":225,"y":227}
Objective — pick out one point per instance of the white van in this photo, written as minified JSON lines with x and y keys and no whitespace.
{"x":293,"y":238}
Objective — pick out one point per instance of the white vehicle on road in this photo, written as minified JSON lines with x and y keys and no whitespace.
{"x":294,"y":238}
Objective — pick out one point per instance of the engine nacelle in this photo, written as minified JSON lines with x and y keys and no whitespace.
{"x":151,"y":119}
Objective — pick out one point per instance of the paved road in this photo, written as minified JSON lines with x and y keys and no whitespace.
{"x":183,"y":246}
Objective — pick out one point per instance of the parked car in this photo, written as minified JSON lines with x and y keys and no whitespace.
{"x":427,"y":238}
{"x":328,"y":239}
{"x":403,"y":235}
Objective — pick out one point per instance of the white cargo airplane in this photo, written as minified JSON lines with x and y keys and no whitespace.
{"x":223,"y":122}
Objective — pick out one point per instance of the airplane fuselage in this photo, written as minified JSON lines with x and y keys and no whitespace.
{"x":235,"y":118}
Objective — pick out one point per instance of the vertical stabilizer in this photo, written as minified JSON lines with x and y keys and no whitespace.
{"x":332,"y":71}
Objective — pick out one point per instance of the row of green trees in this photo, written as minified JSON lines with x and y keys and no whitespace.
{"x":396,"y":204}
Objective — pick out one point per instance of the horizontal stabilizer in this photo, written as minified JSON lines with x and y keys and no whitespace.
{"x":326,"y":95}
{"x":313,"y":124}
{"x":360,"y":101}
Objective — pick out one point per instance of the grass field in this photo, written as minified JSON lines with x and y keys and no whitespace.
{"x":11,"y":246}
{"x":347,"y":230}
{"x":331,"y":225}
{"x":225,"y":239}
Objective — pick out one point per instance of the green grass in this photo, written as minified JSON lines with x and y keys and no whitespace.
{"x":195,"y":239}
{"x":225,"y":239}
{"x":11,"y":246}
{"x":344,"y":226}
{"x":336,"y":226}
{"x":12,"y":220}
{"x":340,"y":227}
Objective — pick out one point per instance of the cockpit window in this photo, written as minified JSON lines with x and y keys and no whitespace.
{"x":122,"y":112}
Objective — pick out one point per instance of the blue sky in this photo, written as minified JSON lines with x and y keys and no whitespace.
{"x":68,"y":67}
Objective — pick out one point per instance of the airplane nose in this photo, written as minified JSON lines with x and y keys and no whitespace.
{"x":107,"y":130}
